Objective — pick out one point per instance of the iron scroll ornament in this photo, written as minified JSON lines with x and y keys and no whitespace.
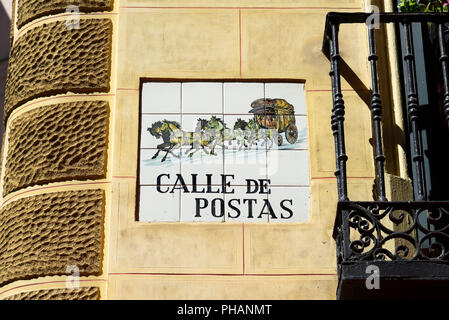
{"x":371,"y":231}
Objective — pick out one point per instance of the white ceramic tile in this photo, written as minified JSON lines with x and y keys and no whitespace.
{"x":198,"y":207}
{"x":238,"y":96}
{"x":202,"y":164}
{"x":242,"y":206}
{"x":150,"y":168}
{"x":245,"y":164}
{"x":295,"y":199}
{"x":293,"y":93}
{"x":158,"y":207}
{"x":161,"y":97}
{"x":147,"y":140}
{"x":202,"y":97}
{"x":288,"y":167}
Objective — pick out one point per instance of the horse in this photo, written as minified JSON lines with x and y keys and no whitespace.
{"x":174,"y":137}
{"x":199,"y":139}
{"x":164,"y":129}
{"x":220,"y":133}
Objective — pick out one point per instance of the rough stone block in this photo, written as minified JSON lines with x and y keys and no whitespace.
{"x":56,"y":143}
{"x":43,"y":235}
{"x":50,"y":59}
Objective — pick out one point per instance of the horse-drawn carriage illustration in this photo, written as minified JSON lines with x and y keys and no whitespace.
{"x":276,"y":114}
{"x":271,"y":118}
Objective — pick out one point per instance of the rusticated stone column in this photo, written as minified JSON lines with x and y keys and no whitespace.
{"x":55,"y":153}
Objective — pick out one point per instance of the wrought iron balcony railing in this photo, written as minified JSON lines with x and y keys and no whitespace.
{"x":405,"y":240}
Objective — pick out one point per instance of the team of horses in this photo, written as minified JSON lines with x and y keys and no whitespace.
{"x":208,"y":135}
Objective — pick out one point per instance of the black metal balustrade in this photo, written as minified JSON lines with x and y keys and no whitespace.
{"x":389,"y":235}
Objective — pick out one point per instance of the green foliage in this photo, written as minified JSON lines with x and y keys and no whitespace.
{"x":410,"y":6}
{"x":424,"y":6}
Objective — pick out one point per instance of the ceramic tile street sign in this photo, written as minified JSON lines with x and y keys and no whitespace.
{"x":223,"y":152}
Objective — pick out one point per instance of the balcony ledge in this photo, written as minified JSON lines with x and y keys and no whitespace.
{"x":398,"y":280}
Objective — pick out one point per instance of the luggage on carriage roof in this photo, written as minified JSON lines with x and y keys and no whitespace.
{"x":271,"y":106}
{"x":276,"y":114}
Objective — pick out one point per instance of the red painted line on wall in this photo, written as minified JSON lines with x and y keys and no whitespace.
{"x":128,"y":89}
{"x":49,"y":282}
{"x":124,"y":177}
{"x":52,"y":187}
{"x":324,"y":178}
{"x":222,"y":274}
{"x":344,"y":90}
{"x":240,"y":39}
{"x":233,"y":8}
{"x":310,"y":90}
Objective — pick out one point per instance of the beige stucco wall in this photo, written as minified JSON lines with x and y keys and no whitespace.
{"x":233,"y":39}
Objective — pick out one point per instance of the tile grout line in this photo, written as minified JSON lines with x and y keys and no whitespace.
{"x":223,"y":151}
{"x":223,"y":274}
{"x":266,"y":149}
{"x":180,"y":159}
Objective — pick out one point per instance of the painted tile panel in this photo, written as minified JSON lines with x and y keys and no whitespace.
{"x":235,"y":152}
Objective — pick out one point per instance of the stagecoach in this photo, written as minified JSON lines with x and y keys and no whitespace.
{"x":276,"y":114}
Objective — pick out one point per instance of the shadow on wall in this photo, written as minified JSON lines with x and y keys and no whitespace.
{"x":5,"y":23}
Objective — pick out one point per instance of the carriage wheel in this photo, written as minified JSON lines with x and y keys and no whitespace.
{"x":280,"y":140}
{"x":291,"y":133}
